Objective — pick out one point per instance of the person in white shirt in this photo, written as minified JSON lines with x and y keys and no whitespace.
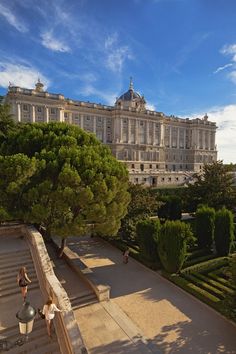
{"x":49,"y":310}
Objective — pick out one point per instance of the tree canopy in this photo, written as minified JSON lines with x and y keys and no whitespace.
{"x":214,"y":187}
{"x":60,"y":177}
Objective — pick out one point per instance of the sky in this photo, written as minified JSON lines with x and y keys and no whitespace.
{"x":181,"y":54}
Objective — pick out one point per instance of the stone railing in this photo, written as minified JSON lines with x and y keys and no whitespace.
{"x":67,"y":330}
{"x":102,"y":291}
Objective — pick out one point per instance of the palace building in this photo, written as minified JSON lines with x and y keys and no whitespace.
{"x":157,"y":149}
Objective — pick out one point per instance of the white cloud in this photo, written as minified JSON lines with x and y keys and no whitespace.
{"x":229,"y":49}
{"x":20,"y":75}
{"x":222,"y":68}
{"x":53,"y":43}
{"x":150,"y":106}
{"x":232,"y":76}
{"x":108,"y":97}
{"x":116,"y":55}
{"x":226,"y":132}
{"x":12,"y":19}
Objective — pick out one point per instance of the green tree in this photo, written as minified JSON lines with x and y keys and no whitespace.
{"x":6,"y":121}
{"x":143,"y":204}
{"x":214,"y":187}
{"x":205,"y":225}
{"x":171,"y":208}
{"x":147,"y":236}
{"x":77,"y":185}
{"x":172,"y":245}
{"x":224,"y":231}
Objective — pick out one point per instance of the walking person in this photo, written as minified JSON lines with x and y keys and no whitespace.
{"x":23,"y":281}
{"x":49,"y":310}
{"x":126,"y":256}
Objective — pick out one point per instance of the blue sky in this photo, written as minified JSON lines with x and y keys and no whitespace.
{"x":180,"y":53}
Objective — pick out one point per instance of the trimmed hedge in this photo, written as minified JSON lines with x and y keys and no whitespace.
{"x":211,"y":289}
{"x":205,"y":225}
{"x":193,"y":261}
{"x":224,"y":232}
{"x":193,"y":289}
{"x":207,"y":266}
{"x":147,"y":232}
{"x":214,"y":283}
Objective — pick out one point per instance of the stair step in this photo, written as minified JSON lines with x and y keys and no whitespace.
{"x":11,"y":286}
{"x":15,"y":254}
{"x":82,"y":301}
{"x":17,"y":265}
{"x":10,"y":261}
{"x":15,"y":270}
{"x":11,"y":278}
{"x":10,"y":332}
{"x":7,"y":293}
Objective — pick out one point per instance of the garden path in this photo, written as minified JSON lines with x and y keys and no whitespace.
{"x":171,"y":320}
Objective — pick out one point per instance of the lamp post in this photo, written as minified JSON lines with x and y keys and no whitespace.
{"x":26,"y":320}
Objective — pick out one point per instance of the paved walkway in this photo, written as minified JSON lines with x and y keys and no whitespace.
{"x":171,"y":320}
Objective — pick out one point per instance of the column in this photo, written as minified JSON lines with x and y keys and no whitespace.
{"x":209,"y":140}
{"x":177,"y":138}
{"x":94,"y":124}
{"x":136,"y":139}
{"x":104,"y":130}
{"x":70,"y":117}
{"x":46,"y":115}
{"x":170,"y":137}
{"x":61,"y":117}
{"x":120,"y":126}
{"x":153,"y":133}
{"x":184,"y":138}
{"x":18,"y":112}
{"x":147,"y":132}
{"x":33,"y":113}
{"x":162,"y":134}
{"x":82,"y":121}
{"x":128,"y":130}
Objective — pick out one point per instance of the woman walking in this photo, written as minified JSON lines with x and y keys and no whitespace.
{"x":23,"y":280}
{"x":126,"y":256}
{"x":49,"y":310}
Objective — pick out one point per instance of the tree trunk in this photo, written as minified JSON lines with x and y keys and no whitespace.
{"x":61,"y":250}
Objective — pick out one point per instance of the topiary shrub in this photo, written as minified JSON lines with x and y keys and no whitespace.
{"x":147,"y":232}
{"x":172,"y":245}
{"x":224,"y":232}
{"x":205,"y":224}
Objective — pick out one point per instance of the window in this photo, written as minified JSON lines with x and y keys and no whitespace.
{"x":25,"y":107}
{"x":53,"y":110}
{"x":142,"y":167}
{"x":169,"y":179}
{"x":150,"y":166}
{"x":39,"y":109}
{"x":132,"y":166}
{"x":163,"y":179}
{"x":157,"y":166}
{"x":66,"y":115}
{"x":144,"y":179}
{"x":136,"y":179}
{"x":177,"y":178}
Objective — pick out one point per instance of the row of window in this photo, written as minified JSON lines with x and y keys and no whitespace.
{"x":155,"y":180}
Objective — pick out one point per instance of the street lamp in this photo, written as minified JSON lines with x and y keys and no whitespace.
{"x":26,"y":320}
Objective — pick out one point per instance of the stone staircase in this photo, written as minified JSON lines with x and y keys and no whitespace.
{"x":83,"y":299}
{"x":10,"y":296}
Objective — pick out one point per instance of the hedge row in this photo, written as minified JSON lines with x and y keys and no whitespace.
{"x":221,"y":280}
{"x":193,"y":261}
{"x":214,"y":283}
{"x":209,"y":288}
{"x":198,"y":253}
{"x":207,"y":266}
{"x":193,"y":289}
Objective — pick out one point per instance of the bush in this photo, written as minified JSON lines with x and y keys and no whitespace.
{"x":224,"y":232}
{"x":205,"y":223}
{"x":171,"y":208}
{"x":172,"y":245}
{"x":147,"y":236}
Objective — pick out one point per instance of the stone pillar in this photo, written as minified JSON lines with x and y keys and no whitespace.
{"x":184,"y":138}
{"x":147,"y":132}
{"x":46,"y":115}
{"x":82,"y":121}
{"x":70,"y":117}
{"x":209,"y":140}
{"x":33,"y":113}
{"x":153,"y":133}
{"x":136,"y":139}
{"x":94,"y":124}
{"x":162,"y":134}
{"x":177,"y":138}
{"x":170,"y":137}
{"x":18,"y":112}
{"x":104,"y":130}
{"x":128,"y":130}
{"x":120,"y":126}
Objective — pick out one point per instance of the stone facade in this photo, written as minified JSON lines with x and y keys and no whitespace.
{"x":157,"y":149}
